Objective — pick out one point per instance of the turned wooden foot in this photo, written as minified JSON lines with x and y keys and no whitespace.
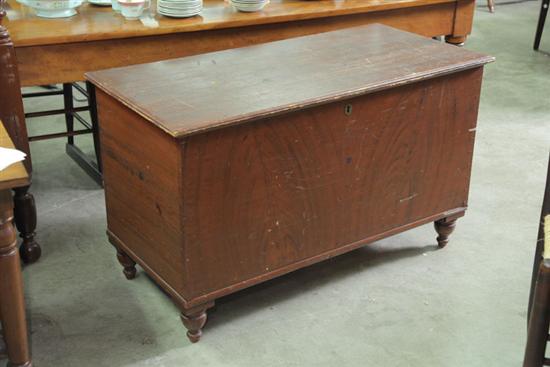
{"x":25,"y":221}
{"x":127,"y":263}
{"x":444,"y":227}
{"x":194,"y":320}
{"x":457,"y":41}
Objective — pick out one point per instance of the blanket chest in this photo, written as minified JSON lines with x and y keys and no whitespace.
{"x":230,"y":168}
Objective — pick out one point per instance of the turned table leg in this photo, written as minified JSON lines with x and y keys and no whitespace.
{"x":194,"y":319}
{"x":127,"y":263}
{"x":462,"y":23}
{"x":444,"y":227}
{"x":12,"y":304}
{"x":25,"y":220}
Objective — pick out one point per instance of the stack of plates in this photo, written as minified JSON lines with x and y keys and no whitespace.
{"x":179,"y":8}
{"x":249,"y":5}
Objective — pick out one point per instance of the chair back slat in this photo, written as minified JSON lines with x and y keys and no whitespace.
{"x":11,"y":102}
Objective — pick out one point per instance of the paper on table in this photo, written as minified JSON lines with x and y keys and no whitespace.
{"x":9,"y":157}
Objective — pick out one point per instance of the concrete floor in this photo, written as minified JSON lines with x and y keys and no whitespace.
{"x":395,"y":303}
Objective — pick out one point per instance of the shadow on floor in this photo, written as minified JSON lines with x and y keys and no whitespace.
{"x":296,"y":283}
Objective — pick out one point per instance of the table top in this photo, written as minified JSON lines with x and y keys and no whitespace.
{"x":197,"y":93}
{"x":16,"y":174}
{"x":97,"y":23}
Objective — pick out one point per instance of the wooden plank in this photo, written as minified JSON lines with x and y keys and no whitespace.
{"x":16,"y":174}
{"x":95,"y":23}
{"x":295,"y":73}
{"x":11,"y":103}
{"x":327,"y":143}
{"x":462,"y":25}
{"x":141,"y":168}
{"x":262,"y":196}
{"x":48,"y":64}
{"x":464,"y":18}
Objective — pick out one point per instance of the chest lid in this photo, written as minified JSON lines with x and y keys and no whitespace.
{"x":192,"y":94}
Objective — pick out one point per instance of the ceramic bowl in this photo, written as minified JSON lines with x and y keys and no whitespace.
{"x":53,"y":8}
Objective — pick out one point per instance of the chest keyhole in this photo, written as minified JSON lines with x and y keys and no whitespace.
{"x":348,"y":109}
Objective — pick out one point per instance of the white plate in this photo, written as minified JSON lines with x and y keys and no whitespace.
{"x":248,"y":2}
{"x":100,"y":2}
{"x":171,"y":15}
{"x":179,"y":11}
{"x":176,"y":7}
{"x":180,"y":3}
{"x":249,"y":8}
{"x":170,"y":10}
{"x":180,"y":7}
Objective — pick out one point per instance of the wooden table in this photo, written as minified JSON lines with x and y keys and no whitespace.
{"x":62,"y":50}
{"x":262,"y":160}
{"x":12,"y":303}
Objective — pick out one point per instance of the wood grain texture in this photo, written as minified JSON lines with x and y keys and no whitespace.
{"x":339,"y":64}
{"x":464,"y":18}
{"x":444,"y":228}
{"x":44,"y":64}
{"x":141,"y":179}
{"x":538,"y":315}
{"x":93,"y":23}
{"x":11,"y":112}
{"x":12,"y":302}
{"x":539,"y":245}
{"x":11,"y":103}
{"x":292,"y":187}
{"x":346,"y":153}
{"x":222,"y":228}
{"x":15,"y":175}
{"x":194,"y":320}
{"x":462,"y":25}
{"x":537,"y":332}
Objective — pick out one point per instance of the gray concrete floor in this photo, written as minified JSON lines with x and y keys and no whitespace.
{"x":397,"y":302}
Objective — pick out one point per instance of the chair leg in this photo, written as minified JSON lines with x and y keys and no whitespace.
{"x":538,"y":260}
{"x":540,"y":25}
{"x":491,"y":5}
{"x":68,"y":106}
{"x":95,"y":122}
{"x":539,"y":247}
{"x":537,"y":333}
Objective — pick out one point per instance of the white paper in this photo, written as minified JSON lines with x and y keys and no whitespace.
{"x":9,"y":157}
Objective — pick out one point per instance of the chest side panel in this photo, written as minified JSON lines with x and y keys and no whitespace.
{"x":261,"y":196}
{"x":141,"y":166}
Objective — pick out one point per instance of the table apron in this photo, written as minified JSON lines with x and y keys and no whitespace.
{"x":62,"y":63}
